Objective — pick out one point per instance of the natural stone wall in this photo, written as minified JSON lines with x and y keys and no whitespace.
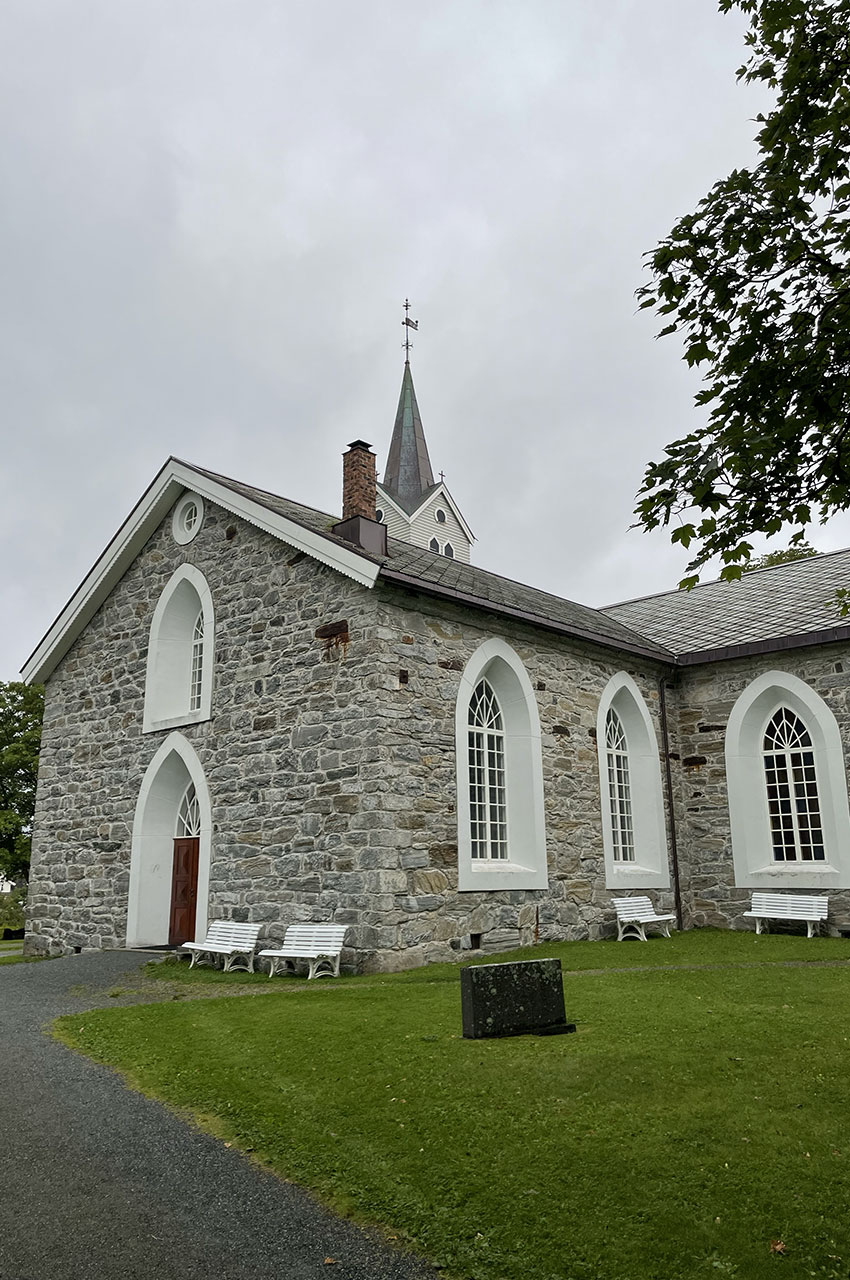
{"x":702,"y":703}
{"x":424,"y":646}
{"x":330,"y":761}
{"x":292,"y":720}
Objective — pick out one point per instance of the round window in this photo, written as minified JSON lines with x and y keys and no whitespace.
{"x":188,"y":518}
{"x":440,"y":515}
{"x":379,"y":516}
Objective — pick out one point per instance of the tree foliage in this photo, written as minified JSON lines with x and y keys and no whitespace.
{"x":757,"y":282}
{"x":772,"y":558}
{"x":21,"y":709}
{"x":13,"y":910}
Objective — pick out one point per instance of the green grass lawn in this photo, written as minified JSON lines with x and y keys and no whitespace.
{"x":699,"y":1114}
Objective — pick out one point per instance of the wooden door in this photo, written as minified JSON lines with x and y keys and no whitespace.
{"x":184,"y":890}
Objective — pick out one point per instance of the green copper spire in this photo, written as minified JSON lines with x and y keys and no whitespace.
{"x":408,"y":472}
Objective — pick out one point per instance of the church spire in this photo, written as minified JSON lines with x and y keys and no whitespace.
{"x":408,"y":472}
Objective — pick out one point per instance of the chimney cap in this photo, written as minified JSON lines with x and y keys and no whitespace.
{"x":360,"y":444}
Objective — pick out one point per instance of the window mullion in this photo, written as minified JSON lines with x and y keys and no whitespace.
{"x":792,"y":792}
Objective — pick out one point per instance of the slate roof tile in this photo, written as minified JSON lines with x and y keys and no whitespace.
{"x":788,"y":600}
{"x":418,"y":568}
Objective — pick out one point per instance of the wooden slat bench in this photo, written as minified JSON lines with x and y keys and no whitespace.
{"x":634,"y":914}
{"x":227,"y":940}
{"x":789,"y":906}
{"x":319,"y":944}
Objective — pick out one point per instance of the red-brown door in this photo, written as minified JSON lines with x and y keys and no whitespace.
{"x":184,"y":890}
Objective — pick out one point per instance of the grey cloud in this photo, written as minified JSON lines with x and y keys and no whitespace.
{"x":212,"y":212}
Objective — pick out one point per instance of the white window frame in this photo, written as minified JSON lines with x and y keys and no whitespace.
{"x":171,"y":666}
{"x":526,"y":864}
{"x":487,"y":777}
{"x":619,"y":787}
{"x":185,"y":522}
{"x":752,"y":844}
{"x":650,"y":868}
{"x":189,"y":814}
{"x":789,"y":765}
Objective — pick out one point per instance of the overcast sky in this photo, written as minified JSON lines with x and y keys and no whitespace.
{"x":214,"y":209}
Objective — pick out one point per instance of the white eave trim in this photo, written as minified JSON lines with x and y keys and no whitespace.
{"x":145,"y":518}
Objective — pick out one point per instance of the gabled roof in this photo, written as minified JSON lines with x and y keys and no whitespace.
{"x":408,"y":471}
{"x":411,"y":509}
{"x":422,"y":570}
{"x":788,"y":606}
{"x":300,"y":527}
{"x":309,"y":530}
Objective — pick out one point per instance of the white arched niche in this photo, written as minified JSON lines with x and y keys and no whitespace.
{"x":176,"y":690}
{"x":525,"y":866}
{"x":649,"y":868}
{"x":752,"y":844}
{"x":173,"y":767}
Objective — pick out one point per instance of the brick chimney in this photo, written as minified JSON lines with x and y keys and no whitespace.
{"x":359,"y":524}
{"x":359,"y":481}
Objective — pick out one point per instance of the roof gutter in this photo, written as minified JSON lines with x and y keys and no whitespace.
{"x":776,"y":644}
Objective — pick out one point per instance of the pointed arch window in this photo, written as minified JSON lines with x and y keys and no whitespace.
{"x":634,"y":837}
{"x":197,"y":663}
{"x":178,"y":685}
{"x":487,"y":793}
{"x":448,"y":550}
{"x":787,"y":787}
{"x":619,"y":789}
{"x":500,"y":814}
{"x":189,"y":814}
{"x":792,"y":790}
{"x":433,"y":545}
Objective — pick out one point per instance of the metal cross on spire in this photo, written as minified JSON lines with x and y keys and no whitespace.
{"x":410,"y":324}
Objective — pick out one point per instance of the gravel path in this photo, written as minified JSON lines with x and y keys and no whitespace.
{"x":100,"y":1183}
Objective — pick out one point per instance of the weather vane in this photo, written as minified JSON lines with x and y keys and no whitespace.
{"x":410,"y":324}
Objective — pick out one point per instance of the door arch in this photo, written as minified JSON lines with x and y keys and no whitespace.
{"x":164,"y":786}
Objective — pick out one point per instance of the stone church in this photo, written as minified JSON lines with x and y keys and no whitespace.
{"x":258,"y":711}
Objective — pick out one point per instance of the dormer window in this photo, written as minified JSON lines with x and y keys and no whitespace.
{"x":440,"y":515}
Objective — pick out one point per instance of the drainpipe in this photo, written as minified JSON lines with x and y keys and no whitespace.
{"x":674,"y":851}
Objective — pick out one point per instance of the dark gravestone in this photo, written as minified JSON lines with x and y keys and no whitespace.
{"x":523,"y":998}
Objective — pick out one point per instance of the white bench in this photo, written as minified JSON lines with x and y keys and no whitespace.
{"x":634,"y":914}
{"x":788,"y":906}
{"x":228,"y":940}
{"x":319,"y":944}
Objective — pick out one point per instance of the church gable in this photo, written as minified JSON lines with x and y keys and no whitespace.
{"x":293,"y":676}
{"x":439,"y":526}
{"x":300,"y":528}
